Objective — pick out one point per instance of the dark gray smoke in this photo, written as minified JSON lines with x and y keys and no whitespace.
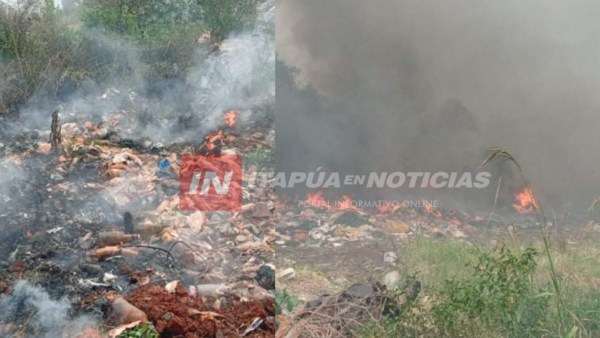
{"x":427,"y":86}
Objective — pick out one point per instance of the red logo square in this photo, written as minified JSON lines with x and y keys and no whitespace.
{"x":210,"y":182}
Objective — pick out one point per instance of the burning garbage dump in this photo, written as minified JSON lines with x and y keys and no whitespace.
{"x":405,"y":235}
{"x":97,"y":241}
{"x":62,"y":232}
{"x":317,"y":221}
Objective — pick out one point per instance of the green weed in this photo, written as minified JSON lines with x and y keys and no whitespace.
{"x":285,"y":302}
{"x":141,"y":331}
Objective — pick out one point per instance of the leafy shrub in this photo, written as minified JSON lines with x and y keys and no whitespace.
{"x":285,"y":302}
{"x":497,"y":297}
{"x":140,"y":19}
{"x":225,"y":16}
{"x":44,"y":50}
{"x":39,"y":52}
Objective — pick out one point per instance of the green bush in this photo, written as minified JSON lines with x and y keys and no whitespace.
{"x":39,"y":52}
{"x":496,"y":299}
{"x":140,"y":20}
{"x":225,"y":16}
{"x":48,"y":51}
{"x":285,"y":302}
{"x":164,"y":33}
{"x":261,"y":158}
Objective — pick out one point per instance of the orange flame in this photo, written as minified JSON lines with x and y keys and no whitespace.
{"x":230,"y":118}
{"x":428,"y":209}
{"x":316,"y":200}
{"x":387,"y":208}
{"x":345,"y":203}
{"x":212,"y":139}
{"x":526,"y":203}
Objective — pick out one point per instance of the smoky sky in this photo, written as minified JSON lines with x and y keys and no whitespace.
{"x":431,"y":85}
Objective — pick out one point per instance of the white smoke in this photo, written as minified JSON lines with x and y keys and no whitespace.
{"x":240,"y":76}
{"x":51,"y":316}
{"x":11,"y":176}
{"x":243,"y":75}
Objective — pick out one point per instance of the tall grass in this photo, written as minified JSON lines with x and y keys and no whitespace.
{"x":503,"y":156}
{"x":469,"y":292}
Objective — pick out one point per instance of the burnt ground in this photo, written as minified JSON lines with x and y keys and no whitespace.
{"x":56,"y":204}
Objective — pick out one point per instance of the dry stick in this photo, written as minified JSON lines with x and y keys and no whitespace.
{"x":506,"y":226}
{"x":184,"y":243}
{"x":18,"y":54}
{"x":592,"y":208}
{"x":152,"y":247}
{"x":26,"y":325}
{"x":495,"y":201}
{"x":337,"y":320}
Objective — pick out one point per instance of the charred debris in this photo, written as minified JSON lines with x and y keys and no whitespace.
{"x":93,"y":220}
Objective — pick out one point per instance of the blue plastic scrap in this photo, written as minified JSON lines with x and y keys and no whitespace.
{"x":163,"y":165}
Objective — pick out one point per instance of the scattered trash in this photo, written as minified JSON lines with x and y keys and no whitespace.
{"x":390,"y":257}
{"x":391,"y":280}
{"x":90,"y":209}
{"x":126,"y":313}
{"x":163,"y":166}
{"x":114,"y":238}
{"x":265,"y":277}
{"x":172,"y":287}
{"x":256,"y":323}
{"x":286,"y":274}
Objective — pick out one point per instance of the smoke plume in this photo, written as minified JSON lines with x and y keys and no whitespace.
{"x":427,"y":86}
{"x":240,"y":75}
{"x":50,"y":315}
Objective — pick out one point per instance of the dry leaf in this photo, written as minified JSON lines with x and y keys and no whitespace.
{"x":122,"y":328}
{"x":44,"y":148}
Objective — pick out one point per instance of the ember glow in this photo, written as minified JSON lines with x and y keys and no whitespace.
{"x":212,"y":141}
{"x":526,"y":203}
{"x":316,"y":200}
{"x":429,"y":210}
{"x":230,"y":118}
{"x":345,"y":203}
{"x":387,"y":208}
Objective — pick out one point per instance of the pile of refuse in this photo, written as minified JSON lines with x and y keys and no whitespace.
{"x":314,"y":226}
{"x":95,"y":218}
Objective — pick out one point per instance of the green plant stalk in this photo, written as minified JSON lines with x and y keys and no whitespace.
{"x":541,"y":219}
{"x":592,"y":208}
